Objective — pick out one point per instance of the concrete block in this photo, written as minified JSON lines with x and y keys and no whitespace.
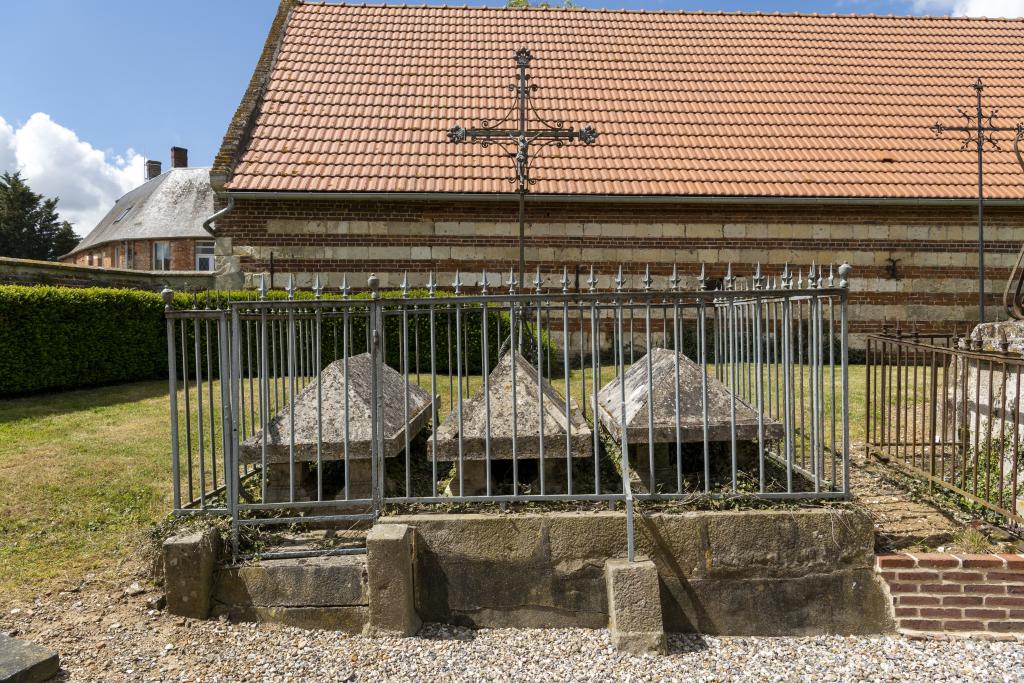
{"x":329,"y":581}
{"x":634,"y":607}
{"x":189,"y":563}
{"x":24,"y":662}
{"x":389,"y":564}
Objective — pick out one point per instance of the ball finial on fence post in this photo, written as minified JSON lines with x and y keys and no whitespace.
{"x":167,"y":294}
{"x":373,"y":282}
{"x":844,"y":274}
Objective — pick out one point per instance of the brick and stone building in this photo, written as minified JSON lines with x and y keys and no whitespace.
{"x":723,"y":138}
{"x":158,"y":226}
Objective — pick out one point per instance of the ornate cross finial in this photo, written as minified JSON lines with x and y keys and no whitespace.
{"x":523,"y":57}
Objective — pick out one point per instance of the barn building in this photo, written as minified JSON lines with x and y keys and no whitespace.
{"x":723,"y":138}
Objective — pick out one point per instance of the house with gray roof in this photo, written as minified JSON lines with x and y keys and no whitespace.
{"x":158,"y":226}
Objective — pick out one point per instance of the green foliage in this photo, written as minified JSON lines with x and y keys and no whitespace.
{"x":29,"y":225}
{"x":60,"y":338}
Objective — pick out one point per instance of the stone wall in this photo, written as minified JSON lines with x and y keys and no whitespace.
{"x":739,"y":573}
{"x":26,"y":272}
{"x":941,"y":594}
{"x":933,"y":282}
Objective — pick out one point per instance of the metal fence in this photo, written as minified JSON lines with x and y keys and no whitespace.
{"x":947,"y":412}
{"x":324,"y":408}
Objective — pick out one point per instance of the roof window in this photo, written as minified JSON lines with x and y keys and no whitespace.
{"x":123,"y":214}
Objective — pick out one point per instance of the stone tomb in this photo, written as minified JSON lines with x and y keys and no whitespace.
{"x":527,"y":428}
{"x":691,"y":414}
{"x":332,"y":420}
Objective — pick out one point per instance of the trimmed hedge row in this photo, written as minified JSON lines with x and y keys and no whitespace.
{"x":55,"y":338}
{"x":62,"y":338}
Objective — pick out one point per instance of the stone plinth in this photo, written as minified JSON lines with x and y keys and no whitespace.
{"x":333,"y":428}
{"x":634,"y":606}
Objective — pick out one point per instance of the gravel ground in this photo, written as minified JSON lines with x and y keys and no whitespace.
{"x":107,"y":634}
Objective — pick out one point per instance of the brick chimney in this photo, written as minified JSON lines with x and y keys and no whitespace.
{"x":179,"y":157}
{"x":153,"y":169}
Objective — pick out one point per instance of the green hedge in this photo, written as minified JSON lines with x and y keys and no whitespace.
{"x":62,"y":338}
{"x":54,"y":338}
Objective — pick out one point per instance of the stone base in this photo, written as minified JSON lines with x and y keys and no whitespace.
{"x":634,"y":607}
{"x":24,"y":662}
{"x":389,"y":566}
{"x":474,"y":481}
{"x":189,"y":563}
{"x":278,"y":487}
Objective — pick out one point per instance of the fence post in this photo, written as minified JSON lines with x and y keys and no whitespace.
{"x":844,"y":342}
{"x":172,"y":386}
{"x":376,"y":403}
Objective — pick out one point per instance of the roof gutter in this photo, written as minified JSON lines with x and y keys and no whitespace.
{"x":208,"y":223}
{"x":626,"y":199}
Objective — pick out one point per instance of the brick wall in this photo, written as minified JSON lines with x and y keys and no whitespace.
{"x":27,"y":272}
{"x":183,"y":255}
{"x":940,"y":593}
{"x":934,"y":283}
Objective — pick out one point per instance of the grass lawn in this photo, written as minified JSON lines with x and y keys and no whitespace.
{"x":83,"y":472}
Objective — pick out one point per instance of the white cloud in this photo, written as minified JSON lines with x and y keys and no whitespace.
{"x":56,"y":163}
{"x":972,"y":8}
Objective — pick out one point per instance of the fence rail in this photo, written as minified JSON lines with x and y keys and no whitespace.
{"x":326,"y":409}
{"x":947,"y":412}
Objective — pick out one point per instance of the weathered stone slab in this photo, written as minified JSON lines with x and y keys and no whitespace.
{"x":25,"y":662}
{"x":662,"y":397}
{"x":527,"y":421}
{"x":189,"y":562}
{"x":634,"y":606}
{"x":332,"y":422}
{"x":349,"y":619}
{"x":328,"y":581}
{"x":734,"y":572}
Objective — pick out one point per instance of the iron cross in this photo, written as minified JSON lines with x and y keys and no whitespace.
{"x":979,"y":129}
{"x":514,"y":135}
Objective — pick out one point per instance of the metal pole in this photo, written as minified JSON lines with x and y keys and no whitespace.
{"x":981,"y":207}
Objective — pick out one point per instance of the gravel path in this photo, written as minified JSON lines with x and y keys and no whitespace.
{"x":106,"y":635}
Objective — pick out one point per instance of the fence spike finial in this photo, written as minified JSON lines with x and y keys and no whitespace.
{"x":647,"y":281}
{"x":787,"y":277}
{"x":344,"y":285}
{"x":458,"y":281}
{"x":592,"y":280}
{"x":317,"y":288}
{"x":263,"y":286}
{"x":800,"y":278}
{"x":405,"y":283}
{"x":431,"y":284}
{"x":831,"y":276}
{"x":844,"y":274}
{"x":702,"y":279}
{"x":619,"y":281}
{"x":758,"y":278}
{"x":483,"y":281}
{"x":291,"y":286}
{"x":537,"y":281}
{"x":674,"y":280}
{"x":730,"y":279}
{"x":512,"y":280}
{"x":565,"y":279}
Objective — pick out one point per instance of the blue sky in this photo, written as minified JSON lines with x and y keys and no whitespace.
{"x":90,"y":88}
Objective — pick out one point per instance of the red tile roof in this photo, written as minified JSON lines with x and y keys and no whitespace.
{"x":360,"y":97}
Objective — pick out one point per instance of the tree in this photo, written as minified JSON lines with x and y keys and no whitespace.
{"x":29,"y":224}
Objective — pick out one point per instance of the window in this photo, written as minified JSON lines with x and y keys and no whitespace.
{"x":124,"y":213}
{"x":204,"y":256}
{"x":129,"y":255}
{"x":161,"y":255}
{"x":117,"y":258}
